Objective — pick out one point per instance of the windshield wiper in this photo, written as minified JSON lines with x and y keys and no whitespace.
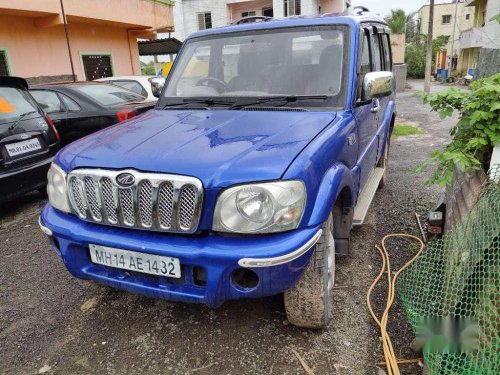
{"x":20,"y":118}
{"x":286,"y":99}
{"x":207,"y":102}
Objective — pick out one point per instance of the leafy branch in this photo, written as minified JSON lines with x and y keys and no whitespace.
{"x":474,"y":135}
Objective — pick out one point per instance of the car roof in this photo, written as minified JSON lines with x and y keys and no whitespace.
{"x":13,"y":82}
{"x":66,"y":84}
{"x":294,"y":21}
{"x":115,"y":78}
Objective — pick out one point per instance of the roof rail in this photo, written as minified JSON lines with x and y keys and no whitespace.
{"x":251,"y":19}
{"x":361,"y":10}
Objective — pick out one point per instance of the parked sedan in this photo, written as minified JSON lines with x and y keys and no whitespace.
{"x":28,"y":140}
{"x":82,"y":108}
{"x":148,"y":86}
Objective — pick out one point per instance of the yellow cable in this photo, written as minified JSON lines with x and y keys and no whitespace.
{"x":391,"y":361}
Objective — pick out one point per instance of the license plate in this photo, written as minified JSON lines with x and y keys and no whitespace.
{"x":23,"y":147}
{"x":135,"y":261}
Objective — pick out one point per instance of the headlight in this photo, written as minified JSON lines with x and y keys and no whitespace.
{"x":56,"y":188}
{"x":260,"y":208}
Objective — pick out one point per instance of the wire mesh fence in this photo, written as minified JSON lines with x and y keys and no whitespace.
{"x":451,"y":294}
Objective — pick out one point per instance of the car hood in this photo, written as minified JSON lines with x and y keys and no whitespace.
{"x":220,"y":147}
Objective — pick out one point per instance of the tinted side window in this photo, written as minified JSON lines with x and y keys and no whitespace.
{"x":387,"y":52}
{"x":70,"y":104}
{"x":132,"y":86}
{"x":48,"y":100}
{"x":377,"y":53}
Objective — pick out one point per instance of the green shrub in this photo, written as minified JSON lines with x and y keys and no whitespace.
{"x":475,"y":134}
{"x":415,"y":60}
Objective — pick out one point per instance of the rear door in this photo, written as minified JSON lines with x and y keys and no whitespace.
{"x":52,"y":105}
{"x":366,"y":118}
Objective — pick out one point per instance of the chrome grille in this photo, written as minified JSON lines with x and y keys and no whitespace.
{"x":165,"y":205}
{"x":187,"y":206}
{"x":154,"y":201}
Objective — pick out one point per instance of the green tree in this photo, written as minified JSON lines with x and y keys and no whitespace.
{"x":397,"y":21}
{"x":415,"y":54}
{"x":148,"y":69}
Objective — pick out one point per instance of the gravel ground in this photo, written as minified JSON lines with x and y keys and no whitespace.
{"x":55,"y":324}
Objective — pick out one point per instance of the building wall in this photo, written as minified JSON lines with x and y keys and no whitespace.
{"x":481,"y":44}
{"x":447,"y":29}
{"x":37,"y":51}
{"x":235,"y":9}
{"x":225,"y":11}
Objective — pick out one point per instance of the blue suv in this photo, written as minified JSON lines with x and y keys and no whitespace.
{"x":268,"y":143}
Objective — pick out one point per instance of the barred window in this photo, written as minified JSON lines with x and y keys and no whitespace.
{"x":204,"y":21}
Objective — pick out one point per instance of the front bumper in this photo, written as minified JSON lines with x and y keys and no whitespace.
{"x":22,"y":180}
{"x":217,"y":255}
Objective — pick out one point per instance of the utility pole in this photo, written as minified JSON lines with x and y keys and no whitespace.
{"x":67,"y":41}
{"x":428,"y":56}
{"x":450,"y":63}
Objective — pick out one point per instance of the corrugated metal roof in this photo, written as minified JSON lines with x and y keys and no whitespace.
{"x":153,"y":47}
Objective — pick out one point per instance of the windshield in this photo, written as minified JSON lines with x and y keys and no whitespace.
{"x":15,"y":102}
{"x":109,"y":95}
{"x":294,"y":61}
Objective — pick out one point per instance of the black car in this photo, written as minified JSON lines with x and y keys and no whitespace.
{"x":81,"y":108}
{"x":28,"y":140}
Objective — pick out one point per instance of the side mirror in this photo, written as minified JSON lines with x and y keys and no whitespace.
{"x":376,"y":85}
{"x":157,"y":84}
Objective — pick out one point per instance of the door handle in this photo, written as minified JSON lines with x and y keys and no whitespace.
{"x":375,"y":106}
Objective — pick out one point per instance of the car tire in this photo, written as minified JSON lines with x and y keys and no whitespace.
{"x":307,"y":304}
{"x":384,"y":163}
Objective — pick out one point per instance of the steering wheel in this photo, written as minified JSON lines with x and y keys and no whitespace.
{"x":213,"y":82}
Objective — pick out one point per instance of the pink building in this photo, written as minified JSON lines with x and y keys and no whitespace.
{"x":102,"y":33}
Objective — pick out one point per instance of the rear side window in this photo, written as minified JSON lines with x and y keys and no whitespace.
{"x":377,"y":53}
{"x":70,"y":104}
{"x":131,"y":85}
{"x":108,"y":95}
{"x":387,"y":52}
{"x":48,"y":100}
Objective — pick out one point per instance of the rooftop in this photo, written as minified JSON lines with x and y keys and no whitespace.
{"x":295,"y":21}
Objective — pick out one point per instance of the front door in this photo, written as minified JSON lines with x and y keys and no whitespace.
{"x":365,"y":113}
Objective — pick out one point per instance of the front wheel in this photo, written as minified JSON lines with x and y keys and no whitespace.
{"x":307,"y":304}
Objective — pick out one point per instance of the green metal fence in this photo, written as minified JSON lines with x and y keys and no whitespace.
{"x":451,"y":294}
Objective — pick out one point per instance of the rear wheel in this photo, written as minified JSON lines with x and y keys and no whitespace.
{"x":307,"y":304}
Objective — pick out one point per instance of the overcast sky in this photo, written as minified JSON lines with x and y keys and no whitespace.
{"x":383,"y":7}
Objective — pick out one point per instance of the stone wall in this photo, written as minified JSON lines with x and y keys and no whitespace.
{"x":488,"y":63}
{"x":398,"y":42}
{"x":399,"y":71}
{"x":462,"y":195}
{"x":49,"y":79}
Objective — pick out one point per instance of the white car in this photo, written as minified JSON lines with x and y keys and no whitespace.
{"x":146,"y":86}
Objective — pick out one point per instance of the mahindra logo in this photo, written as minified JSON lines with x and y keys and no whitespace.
{"x":125,"y":179}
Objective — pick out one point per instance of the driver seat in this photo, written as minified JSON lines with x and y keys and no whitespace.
{"x":249,"y":76}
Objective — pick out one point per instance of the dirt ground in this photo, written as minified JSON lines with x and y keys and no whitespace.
{"x":53,"y":323}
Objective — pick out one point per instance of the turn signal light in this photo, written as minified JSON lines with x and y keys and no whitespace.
{"x":125,"y":115}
